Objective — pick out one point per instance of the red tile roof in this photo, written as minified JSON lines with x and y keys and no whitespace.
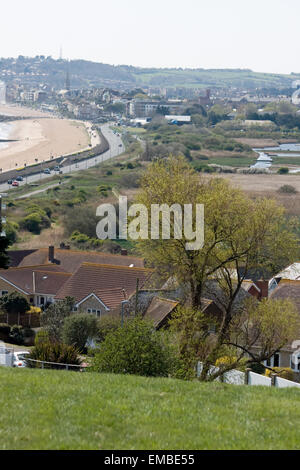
{"x":70,"y":260}
{"x":47,"y":279}
{"x":159,"y":310}
{"x":111,"y":284}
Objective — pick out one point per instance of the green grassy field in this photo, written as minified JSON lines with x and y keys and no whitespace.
{"x":69,"y":410}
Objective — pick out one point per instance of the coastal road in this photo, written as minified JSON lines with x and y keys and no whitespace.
{"x":116,"y":148}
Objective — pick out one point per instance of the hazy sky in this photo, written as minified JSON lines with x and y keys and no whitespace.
{"x":263,"y":35}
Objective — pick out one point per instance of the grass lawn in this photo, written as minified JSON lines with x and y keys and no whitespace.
{"x":69,"y":410}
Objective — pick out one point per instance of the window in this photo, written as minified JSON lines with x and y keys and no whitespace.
{"x":94,"y":310}
{"x":274,"y":361}
{"x":295,"y":362}
{"x":89,"y":310}
{"x":4,"y":292}
{"x":99,"y":313}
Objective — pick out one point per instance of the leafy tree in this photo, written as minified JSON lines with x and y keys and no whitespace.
{"x":14,"y":303}
{"x":239,"y":235}
{"x":4,"y":258}
{"x":53,"y":318}
{"x":107,"y":324}
{"x":134,"y":349}
{"x":78,"y":329}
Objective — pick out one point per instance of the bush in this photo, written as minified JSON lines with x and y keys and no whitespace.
{"x":53,"y":352}
{"x":11,"y":229}
{"x":283,"y":372}
{"x":52,"y":319}
{"x":14,"y":303}
{"x":107,"y":324}
{"x":134,"y":349}
{"x":79,"y":237}
{"x":16,"y":335}
{"x":41,"y":337}
{"x":287,"y":189}
{"x":35,"y":222}
{"x":78,"y":329}
{"x":283,"y":171}
{"x":4,"y":331}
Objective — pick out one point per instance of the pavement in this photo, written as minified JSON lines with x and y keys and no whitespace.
{"x":116,"y":148}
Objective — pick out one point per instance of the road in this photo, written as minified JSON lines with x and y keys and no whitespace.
{"x":116,"y":148}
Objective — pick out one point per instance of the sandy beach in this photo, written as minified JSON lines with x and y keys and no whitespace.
{"x":42,"y":138}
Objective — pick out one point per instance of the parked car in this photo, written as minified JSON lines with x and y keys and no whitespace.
{"x":56,"y":168}
{"x":18,"y":359}
{"x":9,"y":181}
{"x":47,"y":171}
{"x":19,"y":178}
{"x":15,"y":183}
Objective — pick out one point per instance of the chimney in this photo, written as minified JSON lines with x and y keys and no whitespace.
{"x":264,"y":287}
{"x":51,"y":254}
{"x":123,"y":252}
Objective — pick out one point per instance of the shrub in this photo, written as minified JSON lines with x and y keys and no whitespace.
{"x":42,"y":336}
{"x":79,"y":237}
{"x":283,"y":171}
{"x":4,"y":331}
{"x":16,"y":335}
{"x":11,"y":229}
{"x":52,"y":320}
{"x":35,"y":222}
{"x":53,"y":352}
{"x":136,"y":348}
{"x":287,"y":189}
{"x":28,"y":332}
{"x":283,"y":372}
{"x":107,"y":324}
{"x":78,"y":329}
{"x":14,"y":303}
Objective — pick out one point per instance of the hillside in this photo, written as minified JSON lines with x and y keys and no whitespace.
{"x":41,"y":69}
{"x":69,"y":410}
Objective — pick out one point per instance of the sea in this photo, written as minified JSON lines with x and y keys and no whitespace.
{"x":5,"y":130}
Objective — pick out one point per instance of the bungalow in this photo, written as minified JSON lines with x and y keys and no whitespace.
{"x":100,"y":288}
{"x":39,"y":284}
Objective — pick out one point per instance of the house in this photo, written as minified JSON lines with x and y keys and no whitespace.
{"x":287,"y":289}
{"x":160,"y":311}
{"x":98,"y":281}
{"x":100,"y":288}
{"x":39,"y":284}
{"x":70,"y":260}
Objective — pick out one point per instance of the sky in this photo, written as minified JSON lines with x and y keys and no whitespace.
{"x":262,"y":35}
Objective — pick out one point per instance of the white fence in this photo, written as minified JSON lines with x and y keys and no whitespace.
{"x":258,"y":379}
{"x":282,"y":383}
{"x":236,"y":377}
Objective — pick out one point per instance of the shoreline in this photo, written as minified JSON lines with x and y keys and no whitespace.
{"x":43,"y":139}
